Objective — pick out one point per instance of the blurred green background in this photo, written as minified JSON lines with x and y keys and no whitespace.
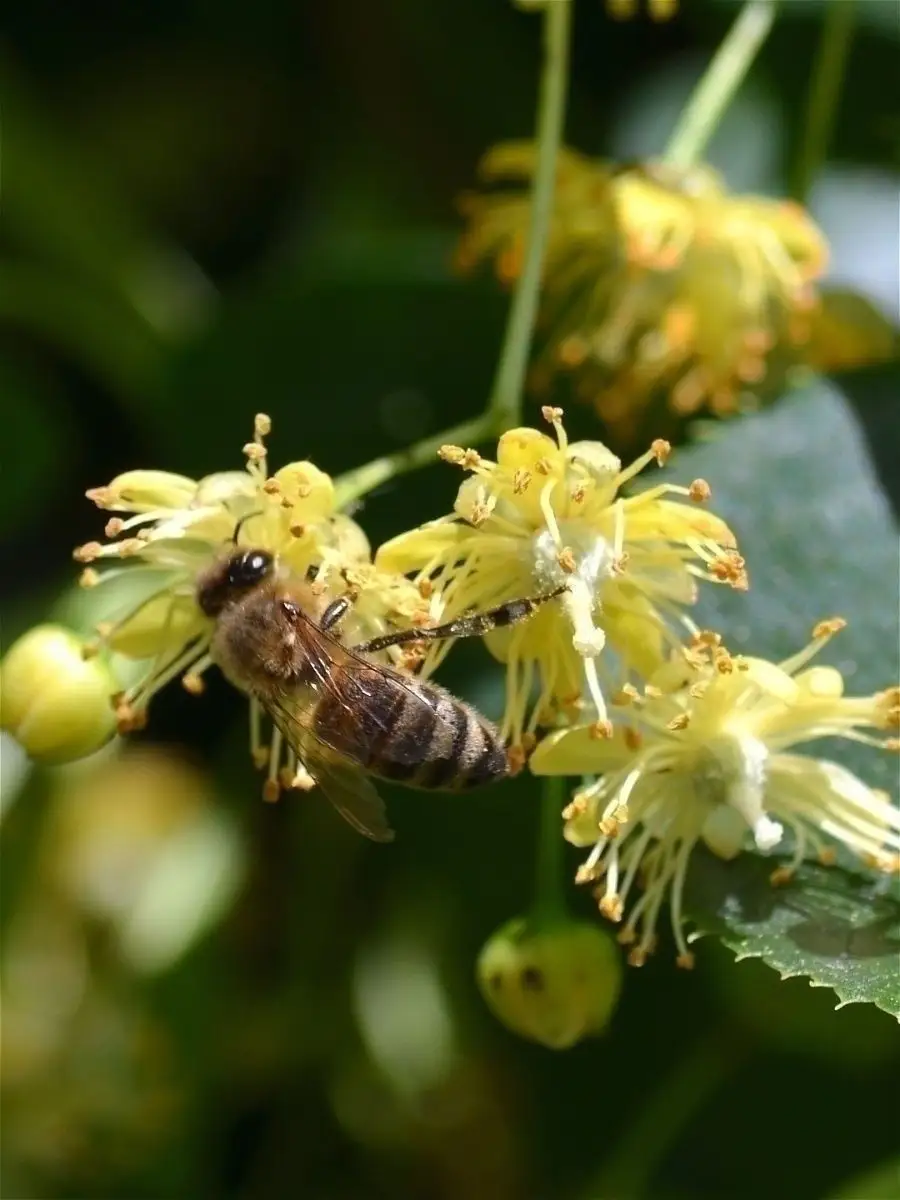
{"x":212,"y":210}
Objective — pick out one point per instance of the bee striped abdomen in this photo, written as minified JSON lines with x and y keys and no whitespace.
{"x":413,"y":733}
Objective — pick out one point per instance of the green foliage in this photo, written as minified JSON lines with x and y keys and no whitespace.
{"x":838,"y":929}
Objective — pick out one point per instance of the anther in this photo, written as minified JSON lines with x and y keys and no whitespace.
{"x":828,"y":628}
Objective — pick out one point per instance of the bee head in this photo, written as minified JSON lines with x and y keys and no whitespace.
{"x":231,"y":578}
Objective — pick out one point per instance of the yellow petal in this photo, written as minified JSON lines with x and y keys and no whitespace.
{"x":164,"y":623}
{"x":580,"y":752}
{"x":310,"y":490}
{"x":635,"y":633}
{"x":521,"y":449}
{"x":145,"y":491}
{"x":602,"y":464}
{"x":224,"y":487}
{"x":647,"y":518}
{"x":410,"y":551}
{"x":821,"y":682}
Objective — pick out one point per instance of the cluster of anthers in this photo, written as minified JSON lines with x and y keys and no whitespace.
{"x":658,"y":284}
{"x":549,"y":515}
{"x":179,"y":526}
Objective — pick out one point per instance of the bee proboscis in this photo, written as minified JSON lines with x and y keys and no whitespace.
{"x":346,"y":715}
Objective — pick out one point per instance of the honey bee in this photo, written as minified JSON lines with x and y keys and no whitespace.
{"x":346,"y":715}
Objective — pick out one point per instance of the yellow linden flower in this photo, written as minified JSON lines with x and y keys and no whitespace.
{"x":547,"y":515}
{"x":656,"y":283}
{"x":179,"y":526}
{"x":703,"y":755}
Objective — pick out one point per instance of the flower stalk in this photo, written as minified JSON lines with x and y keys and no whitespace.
{"x":719,"y":83}
{"x":549,"y":901}
{"x":506,"y":397}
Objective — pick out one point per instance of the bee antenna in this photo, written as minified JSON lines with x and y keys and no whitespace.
{"x":242,"y":522}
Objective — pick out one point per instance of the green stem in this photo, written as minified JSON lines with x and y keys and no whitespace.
{"x":550,"y":899}
{"x":824,"y":93}
{"x":679,"y":1096}
{"x":357,"y":482}
{"x":719,"y":82}
{"x":506,"y":396}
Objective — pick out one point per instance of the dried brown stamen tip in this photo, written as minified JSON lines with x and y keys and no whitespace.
{"x":699,"y":491}
{"x":271,"y":791}
{"x":681,"y":721}
{"x":254,"y":451}
{"x":576,"y":807}
{"x":87,"y":553}
{"x":193,"y":683}
{"x":609,"y":827}
{"x":829,"y":627}
{"x":260,"y":757}
{"x":781,"y":876}
{"x":516,"y":758}
{"x":587,"y":873}
{"x":661,"y":450}
{"x":827,"y":856}
{"x":113,"y":527}
{"x":272,"y":487}
{"x":611,"y":907}
{"x":566,"y":560}
{"x":730,"y":568}
{"x":103,"y":497}
{"x":262,"y":425}
{"x":89,"y":578}
{"x":626,"y":695}
{"x":601,"y":730}
{"x":553,"y":416}
{"x":129,"y":719}
{"x":297,"y":531}
{"x":633,"y":738}
{"x":686,"y":961}
{"x":637,"y":957}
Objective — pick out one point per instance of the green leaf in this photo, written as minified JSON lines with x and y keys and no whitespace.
{"x":878,"y":1183}
{"x":840,"y":929}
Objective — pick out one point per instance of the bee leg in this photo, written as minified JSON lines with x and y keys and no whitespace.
{"x":473,"y":625}
{"x":335,"y":612}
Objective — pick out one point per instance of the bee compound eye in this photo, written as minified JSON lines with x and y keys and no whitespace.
{"x":249,"y":568}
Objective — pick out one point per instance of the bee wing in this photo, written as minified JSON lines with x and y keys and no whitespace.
{"x":350,"y":791}
{"x":352,"y":794}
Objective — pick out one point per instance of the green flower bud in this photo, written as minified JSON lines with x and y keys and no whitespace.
{"x":54,"y":700}
{"x":554,"y":984}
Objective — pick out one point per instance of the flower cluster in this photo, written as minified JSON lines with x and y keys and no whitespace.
{"x":702,"y":753}
{"x":179,"y":526}
{"x":548,"y":515}
{"x":656,"y":282}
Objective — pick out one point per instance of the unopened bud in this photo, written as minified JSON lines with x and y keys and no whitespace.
{"x":554,"y":984}
{"x":54,"y":700}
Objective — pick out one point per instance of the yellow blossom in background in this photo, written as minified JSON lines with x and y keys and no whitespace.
{"x":702,"y":754}
{"x":656,"y":282}
{"x":178,"y":526}
{"x":548,"y":514}
{"x":657,"y":10}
